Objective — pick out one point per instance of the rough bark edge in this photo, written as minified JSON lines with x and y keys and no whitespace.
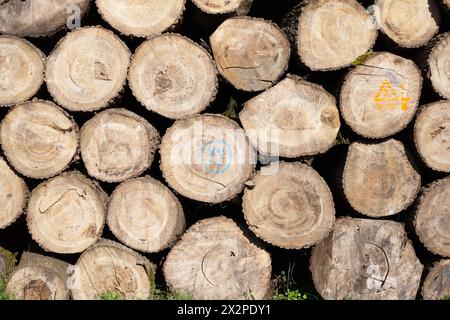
{"x":303,"y":6}
{"x":284,"y":69}
{"x":437,"y":264}
{"x":113,"y":99}
{"x":309,"y":245}
{"x":148,"y":126}
{"x":76,"y":129}
{"x":216,"y":73}
{"x":433,"y":46}
{"x":149,"y":267}
{"x":103,"y":197}
{"x":168,"y":177}
{"x":141,"y":35}
{"x":240,"y":232}
{"x":351,"y":73}
{"x":43,"y":60}
{"x":315,"y":86}
{"x":406,"y":205}
{"x":424,"y":192}
{"x":174,"y":238}
{"x":420,"y":115}
{"x":243,"y":9}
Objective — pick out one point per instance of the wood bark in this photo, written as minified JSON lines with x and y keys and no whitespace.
{"x":87,"y":69}
{"x":13,"y":195}
{"x":207,"y":158}
{"x":333,"y":34}
{"x":109,"y":267}
{"x":145,"y":215}
{"x":39,"y":277}
{"x":432,"y":135}
{"x":292,"y":207}
{"x":366,"y":260}
{"x":214,"y":260}
{"x":117,"y":144}
{"x":173,"y":76}
{"x":66,"y":214}
{"x":39,"y":139}
{"x":35,"y":18}
{"x":143,"y":18}
{"x":437,"y":282}
{"x":410,"y":24}
{"x":379,"y":180}
{"x":247,"y":64}
{"x":438,"y":62}
{"x":292,"y":119}
{"x":380,"y":96}
{"x":22,"y":69}
{"x":433,"y":216}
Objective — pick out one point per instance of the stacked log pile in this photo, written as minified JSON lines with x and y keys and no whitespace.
{"x":203,"y":147}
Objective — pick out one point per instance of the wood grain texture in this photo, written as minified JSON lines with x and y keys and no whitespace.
{"x":408,"y":23}
{"x":173,"y":76}
{"x":39,"y":277}
{"x":432,"y":135}
{"x":437,"y":282}
{"x":380,"y":96}
{"x":39,"y":139}
{"x":66,"y":214}
{"x":293,"y":118}
{"x":379,"y":180}
{"x":117,"y":144}
{"x":13,"y":195}
{"x":334,"y":33}
{"x":247,"y":64}
{"x":207,"y":158}
{"x":87,"y":69}
{"x":291,"y":208}
{"x":141,"y":18}
{"x":35,"y":18}
{"x":439,"y":61}
{"x":145,"y":215}
{"x":214,"y":260}
{"x":22,"y":69}
{"x":109,"y":267}
{"x":237,"y":7}
{"x":366,"y":260}
{"x":433,"y":216}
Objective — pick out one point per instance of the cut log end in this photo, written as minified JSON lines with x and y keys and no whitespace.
{"x":291,"y":208}
{"x":35,"y":18}
{"x":39,"y":278}
{"x":207,"y":158}
{"x":410,"y":24}
{"x":432,"y":221}
{"x":173,"y":76}
{"x":39,"y":139}
{"x":292,"y":119}
{"x":111,"y":267}
{"x":247,"y":64}
{"x":22,"y":70}
{"x":117,"y":144}
{"x":87,"y":69}
{"x":333,"y":34}
{"x":237,"y":7}
{"x":380,"y":96}
{"x":141,"y":18}
{"x":214,"y":260}
{"x":145,"y":215}
{"x":13,"y":195}
{"x":439,"y":66}
{"x":437,"y":283}
{"x":379,"y":180}
{"x":366,"y":260}
{"x":66,"y":214}
{"x":432,"y":135}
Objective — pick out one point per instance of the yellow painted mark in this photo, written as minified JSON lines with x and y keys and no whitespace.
{"x":388,"y":98}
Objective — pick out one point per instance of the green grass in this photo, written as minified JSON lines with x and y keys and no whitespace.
{"x":285,"y":288}
{"x":110,"y":295}
{"x":170,"y":295}
{"x":445,"y":298}
{"x":3,"y":294}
